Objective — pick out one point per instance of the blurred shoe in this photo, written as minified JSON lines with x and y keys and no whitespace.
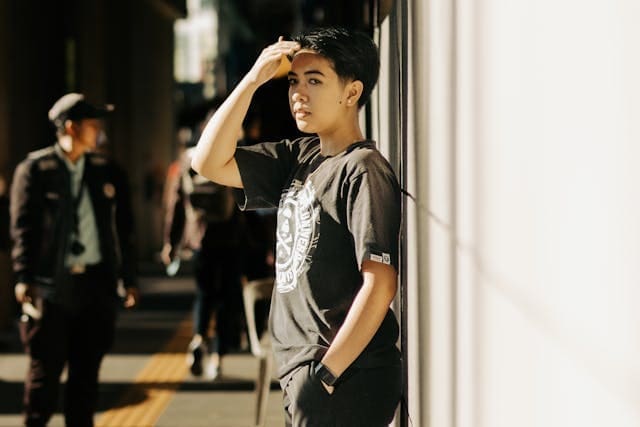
{"x":214,"y":367}
{"x":197,"y":353}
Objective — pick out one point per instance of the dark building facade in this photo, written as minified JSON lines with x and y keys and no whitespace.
{"x":122,"y":52}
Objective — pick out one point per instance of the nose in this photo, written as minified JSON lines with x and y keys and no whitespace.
{"x":297,"y":95}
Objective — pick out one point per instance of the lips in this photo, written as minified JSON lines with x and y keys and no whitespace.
{"x":300,"y":112}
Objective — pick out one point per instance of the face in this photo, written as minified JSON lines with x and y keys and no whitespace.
{"x":86,"y":133}
{"x":316,"y":94}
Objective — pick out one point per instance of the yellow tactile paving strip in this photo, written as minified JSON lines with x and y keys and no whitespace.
{"x":153,"y":388}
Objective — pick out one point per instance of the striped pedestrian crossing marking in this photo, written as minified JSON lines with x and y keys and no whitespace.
{"x":157,"y":382}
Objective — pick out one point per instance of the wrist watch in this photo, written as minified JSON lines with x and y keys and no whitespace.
{"x":325,"y":374}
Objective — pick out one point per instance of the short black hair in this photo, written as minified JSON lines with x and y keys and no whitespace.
{"x":353,"y":54}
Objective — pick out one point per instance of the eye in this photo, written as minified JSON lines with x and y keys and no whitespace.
{"x":314,"y":81}
{"x":292,"y":81}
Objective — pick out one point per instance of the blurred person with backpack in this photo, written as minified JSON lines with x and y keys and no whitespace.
{"x":202,"y":219}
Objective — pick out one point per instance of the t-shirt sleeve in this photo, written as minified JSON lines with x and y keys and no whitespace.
{"x":264,"y":169}
{"x":373,"y":215}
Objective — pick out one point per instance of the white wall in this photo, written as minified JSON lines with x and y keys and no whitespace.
{"x":524,"y":283}
{"x":557,"y":213}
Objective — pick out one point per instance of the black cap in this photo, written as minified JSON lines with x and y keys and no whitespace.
{"x":73,"y":106}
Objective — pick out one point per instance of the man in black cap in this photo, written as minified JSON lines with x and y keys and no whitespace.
{"x":71,"y":225}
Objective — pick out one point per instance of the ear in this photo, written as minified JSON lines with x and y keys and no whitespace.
{"x":69,"y":127}
{"x":354,"y":91}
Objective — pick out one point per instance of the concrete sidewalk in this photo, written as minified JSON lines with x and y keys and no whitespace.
{"x":144,"y":381}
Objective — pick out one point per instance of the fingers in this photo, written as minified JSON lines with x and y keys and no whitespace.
{"x":270,"y":60}
{"x":166,"y":254}
{"x":165,"y":257}
{"x":132,"y":298}
{"x":130,"y":302}
{"x":282,"y":47}
{"x":23,"y":293}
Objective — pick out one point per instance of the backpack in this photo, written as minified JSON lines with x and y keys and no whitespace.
{"x":210,"y":201}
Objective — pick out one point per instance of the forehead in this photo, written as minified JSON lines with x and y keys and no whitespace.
{"x":90,"y":122}
{"x":307,"y":60}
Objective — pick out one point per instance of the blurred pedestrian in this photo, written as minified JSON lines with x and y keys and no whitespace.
{"x":71,"y":225}
{"x":259,"y":246}
{"x":334,"y":334}
{"x":201,"y":219}
{"x":7,"y":303}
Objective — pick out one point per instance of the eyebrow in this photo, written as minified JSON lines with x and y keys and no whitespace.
{"x":292,"y":73}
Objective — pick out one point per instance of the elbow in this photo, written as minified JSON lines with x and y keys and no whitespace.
{"x":196,"y":163}
{"x":207,"y":167}
{"x":383,"y":278}
{"x":390,"y":291}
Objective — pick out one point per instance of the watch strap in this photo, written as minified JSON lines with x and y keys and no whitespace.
{"x":325,"y":374}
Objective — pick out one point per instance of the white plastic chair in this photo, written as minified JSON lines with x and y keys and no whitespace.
{"x":253,"y":291}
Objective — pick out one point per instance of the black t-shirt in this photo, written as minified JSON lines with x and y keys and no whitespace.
{"x":333,"y":214}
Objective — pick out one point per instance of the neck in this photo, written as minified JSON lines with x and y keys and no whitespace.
{"x":338,"y":141}
{"x":70,"y":148}
{"x":75,"y":155}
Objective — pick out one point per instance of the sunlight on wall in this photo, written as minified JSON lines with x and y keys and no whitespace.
{"x":557,"y":207}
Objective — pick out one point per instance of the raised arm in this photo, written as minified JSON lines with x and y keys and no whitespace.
{"x":213,"y":157}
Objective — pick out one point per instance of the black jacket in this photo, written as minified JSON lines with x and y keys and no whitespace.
{"x":41,"y":218}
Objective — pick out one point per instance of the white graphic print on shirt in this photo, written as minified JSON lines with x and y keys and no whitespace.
{"x":297,"y":234}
